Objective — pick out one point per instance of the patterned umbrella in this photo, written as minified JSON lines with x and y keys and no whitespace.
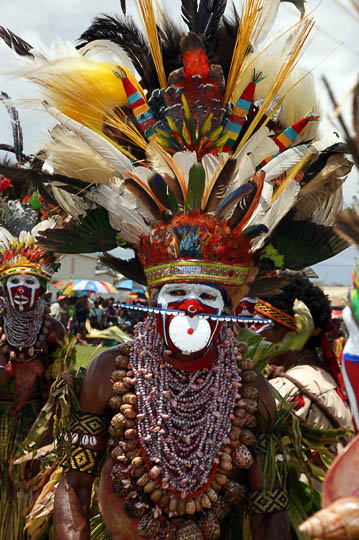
{"x":92,"y":286}
{"x":63,"y":283}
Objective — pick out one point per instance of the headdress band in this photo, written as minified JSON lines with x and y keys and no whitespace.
{"x":202,"y":271}
{"x":35,"y":270}
{"x":275,"y":314}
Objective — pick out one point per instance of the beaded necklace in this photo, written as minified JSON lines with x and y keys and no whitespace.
{"x":176,"y":436}
{"x":23,"y":335}
{"x":183,"y":417}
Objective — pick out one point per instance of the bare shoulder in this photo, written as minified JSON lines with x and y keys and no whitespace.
{"x":96,"y":388}
{"x":266,"y":401}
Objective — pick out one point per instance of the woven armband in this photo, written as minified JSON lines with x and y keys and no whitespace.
{"x":87,"y":423}
{"x":88,"y":430}
{"x":266,"y":502}
{"x":84,"y":460}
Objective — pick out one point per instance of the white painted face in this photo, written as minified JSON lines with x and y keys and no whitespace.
{"x":178,"y":292}
{"x":189,"y":333}
{"x":23,"y":291}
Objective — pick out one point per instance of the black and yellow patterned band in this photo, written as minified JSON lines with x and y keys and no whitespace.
{"x":266,"y":502}
{"x":90,"y":423}
{"x":84,"y":460}
{"x":277,"y":315}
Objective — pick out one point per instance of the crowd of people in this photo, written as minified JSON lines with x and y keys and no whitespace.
{"x":101,"y":313}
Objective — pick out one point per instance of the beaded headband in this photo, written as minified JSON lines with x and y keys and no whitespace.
{"x":201,"y":271}
{"x":275,"y":314}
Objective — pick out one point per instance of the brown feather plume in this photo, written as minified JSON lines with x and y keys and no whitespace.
{"x":314,"y":194}
{"x":223,"y":180}
{"x":347,"y":225}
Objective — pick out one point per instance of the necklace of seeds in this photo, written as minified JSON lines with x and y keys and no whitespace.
{"x":183,"y":416}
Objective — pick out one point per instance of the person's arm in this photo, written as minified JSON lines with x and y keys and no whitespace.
{"x":265,"y":525}
{"x":73,"y":495}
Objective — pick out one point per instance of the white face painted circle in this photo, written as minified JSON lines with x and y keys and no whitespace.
{"x":22,"y":289}
{"x":178,"y":292}
{"x":189,"y":334}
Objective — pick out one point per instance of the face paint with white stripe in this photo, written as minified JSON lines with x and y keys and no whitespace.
{"x":23,"y":291}
{"x":189,"y":334}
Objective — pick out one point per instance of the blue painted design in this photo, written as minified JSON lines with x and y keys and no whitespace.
{"x":134,"y":97}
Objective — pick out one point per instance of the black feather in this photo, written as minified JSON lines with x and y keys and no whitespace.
{"x":204,"y":19}
{"x":90,"y":234}
{"x":16,"y":127}
{"x":131,"y":269}
{"x":124,"y":32}
{"x":189,"y":13}
{"x":170,"y":36}
{"x":298,"y":244}
{"x":221,"y":51}
{"x":18,"y":175}
{"x":210,"y":16}
{"x":15,"y":42}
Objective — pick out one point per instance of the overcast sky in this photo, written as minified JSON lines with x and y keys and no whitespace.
{"x":333,"y":52}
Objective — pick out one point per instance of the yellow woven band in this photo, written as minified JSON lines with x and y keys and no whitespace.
{"x":275,"y":314}
{"x":35,"y":270}
{"x":196,"y":270}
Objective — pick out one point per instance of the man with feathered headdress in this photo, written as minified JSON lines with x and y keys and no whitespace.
{"x":28,"y":340}
{"x":208,"y":168}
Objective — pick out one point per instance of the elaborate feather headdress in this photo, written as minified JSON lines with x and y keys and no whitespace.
{"x":20,"y":253}
{"x":206,"y":162}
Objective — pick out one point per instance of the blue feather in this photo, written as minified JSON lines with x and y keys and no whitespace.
{"x":234,"y":197}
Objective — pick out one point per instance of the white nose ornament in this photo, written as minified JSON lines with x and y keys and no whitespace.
{"x":189,"y":334}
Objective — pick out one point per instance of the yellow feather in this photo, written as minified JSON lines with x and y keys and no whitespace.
{"x":251,"y":17}
{"x":149,"y":22}
{"x":87,"y":91}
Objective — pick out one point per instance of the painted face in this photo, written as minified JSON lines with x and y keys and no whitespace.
{"x":189,"y":334}
{"x":23,"y":291}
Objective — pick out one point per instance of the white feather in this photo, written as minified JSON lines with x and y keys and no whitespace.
{"x":107,"y":51}
{"x":279,"y":209}
{"x":263,"y":205}
{"x":284,"y":161}
{"x":49,"y":223}
{"x":259,"y":146}
{"x":72,"y":204}
{"x":325,"y":215}
{"x":5,"y":238}
{"x":185,"y":160}
{"x":111,"y":198}
{"x":107,"y":151}
{"x":265,"y":21}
